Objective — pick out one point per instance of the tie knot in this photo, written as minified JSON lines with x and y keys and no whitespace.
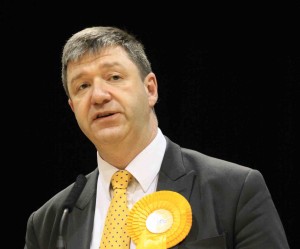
{"x":120,"y":179}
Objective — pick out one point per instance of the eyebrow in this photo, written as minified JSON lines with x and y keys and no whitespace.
{"x":103,"y":65}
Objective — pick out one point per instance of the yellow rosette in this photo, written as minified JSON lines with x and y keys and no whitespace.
{"x":159,"y":220}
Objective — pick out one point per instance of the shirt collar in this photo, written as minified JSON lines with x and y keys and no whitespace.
{"x":144,"y":167}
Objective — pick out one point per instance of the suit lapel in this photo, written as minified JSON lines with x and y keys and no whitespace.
{"x":174,"y":176}
{"x":80,"y":221}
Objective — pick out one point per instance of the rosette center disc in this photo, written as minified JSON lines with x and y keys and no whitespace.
{"x":159,"y":221}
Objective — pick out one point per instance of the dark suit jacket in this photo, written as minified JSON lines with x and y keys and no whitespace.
{"x":231,"y":206}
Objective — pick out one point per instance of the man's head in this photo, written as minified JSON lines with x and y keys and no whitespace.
{"x":112,"y":90}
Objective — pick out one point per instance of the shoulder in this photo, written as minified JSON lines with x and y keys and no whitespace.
{"x":200,"y":161}
{"x":210,"y":169}
{"x":54,"y":206}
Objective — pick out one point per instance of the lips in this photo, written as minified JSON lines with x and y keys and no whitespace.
{"x":104,"y":115}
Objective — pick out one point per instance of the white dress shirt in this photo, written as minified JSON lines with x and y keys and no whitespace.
{"x":144,"y":168}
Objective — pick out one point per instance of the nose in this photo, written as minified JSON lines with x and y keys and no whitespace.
{"x":100,"y":93}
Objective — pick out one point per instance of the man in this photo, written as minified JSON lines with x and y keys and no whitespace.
{"x":112,"y":92}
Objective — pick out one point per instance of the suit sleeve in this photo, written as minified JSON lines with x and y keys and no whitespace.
{"x":258,"y":224}
{"x":30,"y":238}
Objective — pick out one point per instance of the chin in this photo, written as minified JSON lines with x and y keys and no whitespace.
{"x":110,"y":135}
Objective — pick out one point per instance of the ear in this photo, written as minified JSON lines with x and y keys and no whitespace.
{"x":71,"y":104}
{"x":151,"y":87}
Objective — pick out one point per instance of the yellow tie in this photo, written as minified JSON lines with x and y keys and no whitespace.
{"x":114,"y":232}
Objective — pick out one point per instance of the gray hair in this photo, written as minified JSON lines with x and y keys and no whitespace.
{"x":93,"y":39}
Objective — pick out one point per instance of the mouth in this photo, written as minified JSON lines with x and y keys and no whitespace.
{"x":104,"y":115}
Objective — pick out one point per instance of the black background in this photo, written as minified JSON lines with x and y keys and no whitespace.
{"x":228,"y":87}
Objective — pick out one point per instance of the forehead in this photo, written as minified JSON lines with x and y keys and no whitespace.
{"x":107,"y":54}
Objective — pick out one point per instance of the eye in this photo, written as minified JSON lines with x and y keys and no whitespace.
{"x":83,"y":85}
{"x":115,"y":77}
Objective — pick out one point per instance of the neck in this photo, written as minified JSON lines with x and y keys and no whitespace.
{"x":121,"y":154}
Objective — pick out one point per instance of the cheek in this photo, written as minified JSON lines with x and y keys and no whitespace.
{"x":80,"y":109}
{"x":142,"y":104}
